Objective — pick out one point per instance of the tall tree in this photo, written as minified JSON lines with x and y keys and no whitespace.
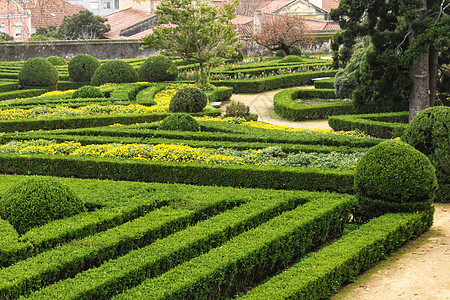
{"x":83,"y":26}
{"x":281,"y":32}
{"x":407,"y":36}
{"x":195,"y":30}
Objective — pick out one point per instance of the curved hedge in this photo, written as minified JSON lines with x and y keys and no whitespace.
{"x":287,"y":108}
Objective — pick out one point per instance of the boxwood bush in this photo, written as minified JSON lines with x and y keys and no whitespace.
{"x":82,"y":67}
{"x":157,"y":69}
{"x":38,"y":73}
{"x":189,"y":100}
{"x":114,"y":71}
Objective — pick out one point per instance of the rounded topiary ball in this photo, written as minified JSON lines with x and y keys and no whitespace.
{"x":280,"y":53}
{"x":82,"y":67}
{"x":188,"y":100}
{"x":394,"y":177}
{"x":36,"y":201}
{"x":57,"y":61}
{"x":180,"y":122}
{"x":87,"y":91}
{"x":157,"y":69}
{"x":114,"y":71}
{"x":291,"y":59}
{"x":38,"y":72}
{"x":295,"y":50}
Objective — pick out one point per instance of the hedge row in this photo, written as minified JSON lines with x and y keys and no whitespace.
{"x":383,"y":125}
{"x":271,"y":68}
{"x":131,"y":269}
{"x":285,"y":106}
{"x":324,"y":83}
{"x":319,"y":275}
{"x":22,"y":94}
{"x":11,"y":249}
{"x":250,"y":176}
{"x":8,"y":86}
{"x":67,"y":260}
{"x":219,"y":94}
{"x":250,"y":257}
{"x":273,"y":82}
{"x":303,"y":93}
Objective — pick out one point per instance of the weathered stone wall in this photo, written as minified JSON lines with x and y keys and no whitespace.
{"x":101,"y":49}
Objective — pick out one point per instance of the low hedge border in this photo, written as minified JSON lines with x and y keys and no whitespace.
{"x":315,"y":93}
{"x":271,"y":177}
{"x":8,"y":86}
{"x":11,"y":249}
{"x":320,"y":275}
{"x":324,"y":83}
{"x":286,"y":107}
{"x":22,"y":94}
{"x":382,"y":125}
{"x":272,"y":68}
{"x":129,"y":270}
{"x":248,"y":258}
{"x":219,"y":94}
{"x":273,"y":82}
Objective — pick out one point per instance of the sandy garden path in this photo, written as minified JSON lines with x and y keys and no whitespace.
{"x":418,"y":270}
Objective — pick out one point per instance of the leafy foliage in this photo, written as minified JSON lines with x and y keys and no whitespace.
{"x":4,"y":37}
{"x":157,"y":69}
{"x":188,"y":100}
{"x":180,"y":122}
{"x":83,"y":26}
{"x":240,"y":110}
{"x":87,"y":91}
{"x":82,"y":67}
{"x":38,"y":72}
{"x":57,"y":61}
{"x":114,"y":71}
{"x":196,"y":31}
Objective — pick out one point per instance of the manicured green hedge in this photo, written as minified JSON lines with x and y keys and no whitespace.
{"x":320,"y":275}
{"x":248,"y":258}
{"x":8,"y":86}
{"x":64,"y":85}
{"x":382,"y":125}
{"x":129,"y":270}
{"x":22,"y":94}
{"x":324,"y":83}
{"x":190,"y":173}
{"x":271,"y":68}
{"x":303,"y":93}
{"x":273,"y":82}
{"x":285,"y":106}
{"x":219,"y":94}
{"x":11,"y":249}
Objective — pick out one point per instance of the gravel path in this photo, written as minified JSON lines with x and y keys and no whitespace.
{"x":418,"y":270}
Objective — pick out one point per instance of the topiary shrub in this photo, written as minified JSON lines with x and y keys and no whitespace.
{"x":280,"y":53}
{"x":36,"y":201}
{"x":114,"y":71}
{"x":57,"y":61}
{"x":393,"y":177}
{"x":429,"y":132}
{"x":179,"y":122}
{"x":291,"y":59}
{"x":157,"y":69}
{"x":188,"y":100}
{"x":87,"y":91}
{"x":240,"y":110}
{"x":295,"y":50}
{"x":38,"y":72}
{"x":82,"y":67}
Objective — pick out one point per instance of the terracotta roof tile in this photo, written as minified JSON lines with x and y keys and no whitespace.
{"x":122,"y":19}
{"x":50,"y":12}
{"x":329,"y":4}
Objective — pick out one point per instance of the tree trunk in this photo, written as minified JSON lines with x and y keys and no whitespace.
{"x":434,"y":66}
{"x":420,"y":91}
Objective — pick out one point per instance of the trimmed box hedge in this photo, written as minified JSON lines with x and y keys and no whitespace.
{"x":6,"y":86}
{"x":324,"y":83}
{"x":11,"y":249}
{"x":22,"y":94}
{"x":381,"y":125}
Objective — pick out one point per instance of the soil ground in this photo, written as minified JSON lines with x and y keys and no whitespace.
{"x":418,"y":270}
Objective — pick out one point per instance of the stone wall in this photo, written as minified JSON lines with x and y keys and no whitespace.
{"x":101,"y":49}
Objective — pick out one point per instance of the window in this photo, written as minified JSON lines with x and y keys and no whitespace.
{"x":106,"y":4}
{"x":17,"y":30}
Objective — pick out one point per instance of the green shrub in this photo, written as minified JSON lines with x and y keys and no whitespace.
{"x":280,"y":53}
{"x":87,"y":91}
{"x":114,"y":71}
{"x":295,"y":50}
{"x":38,"y":72}
{"x":240,"y":110}
{"x":57,"y":61}
{"x":179,"y":122}
{"x":157,"y":69}
{"x":291,"y":59}
{"x":394,"y":177}
{"x":36,"y":201}
{"x":82,"y":67}
{"x":429,"y":133}
{"x":188,"y":100}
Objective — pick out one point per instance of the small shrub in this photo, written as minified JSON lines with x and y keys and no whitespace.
{"x":38,"y":72}
{"x":280,"y":53}
{"x":57,"y":61}
{"x":114,"y":71}
{"x":179,"y":122}
{"x":295,"y":50}
{"x":157,"y":69}
{"x":188,"y":100}
{"x":239,"y":109}
{"x":87,"y":91}
{"x":36,"y":201}
{"x":394,"y":177}
{"x":291,"y":59}
{"x":429,"y":132}
{"x":82,"y":67}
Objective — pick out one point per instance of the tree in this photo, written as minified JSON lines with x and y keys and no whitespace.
{"x":281,"y":32}
{"x":195,"y":30}
{"x":4,"y":37}
{"x":83,"y":26}
{"x":407,"y":37}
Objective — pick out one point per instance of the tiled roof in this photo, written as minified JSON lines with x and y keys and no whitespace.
{"x":329,"y":4}
{"x":316,"y":25}
{"x":123,"y":19}
{"x":50,"y":12}
{"x":141,"y":34}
